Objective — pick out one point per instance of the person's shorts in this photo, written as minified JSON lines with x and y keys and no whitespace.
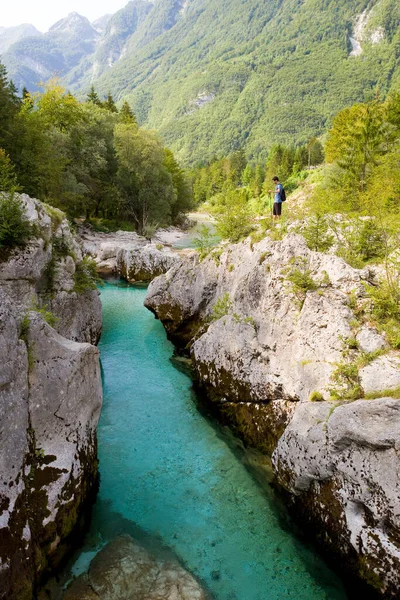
{"x":277,"y":210}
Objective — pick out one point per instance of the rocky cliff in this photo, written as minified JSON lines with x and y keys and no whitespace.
{"x":286,"y":355}
{"x":128,"y":255}
{"x":50,"y":399}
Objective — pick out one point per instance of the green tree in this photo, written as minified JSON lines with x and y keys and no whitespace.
{"x":126,"y":114}
{"x":183,"y":192}
{"x":8,"y":178}
{"x":93,"y":97}
{"x":109,"y":103}
{"x":355,"y":141}
{"x":144,"y":180}
{"x":234,"y":219}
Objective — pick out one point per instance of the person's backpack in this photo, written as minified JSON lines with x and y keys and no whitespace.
{"x":283,"y":195}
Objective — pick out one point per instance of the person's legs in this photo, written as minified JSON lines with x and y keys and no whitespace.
{"x":277,"y":210}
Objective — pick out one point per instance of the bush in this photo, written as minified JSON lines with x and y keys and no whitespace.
{"x":299,"y":275}
{"x":221,"y":307}
{"x":204,"y":241}
{"x":316,"y":233}
{"x":15,"y":229}
{"x":386,"y":304}
{"x":86,"y":277}
{"x":234,"y":220}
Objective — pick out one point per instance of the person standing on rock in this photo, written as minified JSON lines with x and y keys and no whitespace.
{"x":278,"y":195}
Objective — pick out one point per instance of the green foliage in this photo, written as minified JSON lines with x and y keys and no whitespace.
{"x":88,"y":160}
{"x":316,"y":233}
{"x":221,"y":307}
{"x":47,"y":315}
{"x":389,"y":393}
{"x":24,"y":327}
{"x":316,"y":397}
{"x":204,"y":241}
{"x":86,"y":277}
{"x":15,"y":229}
{"x":298,"y":274}
{"x":346,"y":382}
{"x":233,"y":217}
{"x":385,"y":309}
{"x":8,"y":178}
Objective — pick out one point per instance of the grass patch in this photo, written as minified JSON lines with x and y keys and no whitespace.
{"x":391,"y":393}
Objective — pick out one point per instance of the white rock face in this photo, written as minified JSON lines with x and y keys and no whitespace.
{"x":262,"y":349}
{"x":41,"y":275}
{"x":344,"y":465}
{"x":123,"y":570}
{"x":50,"y":401}
{"x":128,"y":255}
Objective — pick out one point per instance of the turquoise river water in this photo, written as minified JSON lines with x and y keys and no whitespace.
{"x":170,"y":479}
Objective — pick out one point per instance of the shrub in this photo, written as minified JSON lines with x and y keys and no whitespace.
{"x":299,"y":276}
{"x":234,"y":220}
{"x":86,"y":277}
{"x":316,"y":397}
{"x":15,"y":228}
{"x":204,"y":241}
{"x":221,"y":307}
{"x":385,"y":308}
{"x":316,"y":233}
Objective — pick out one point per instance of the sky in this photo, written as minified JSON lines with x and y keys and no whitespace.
{"x":44,"y":13}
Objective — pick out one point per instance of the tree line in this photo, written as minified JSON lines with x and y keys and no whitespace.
{"x":287,"y":162}
{"x":88,"y":158}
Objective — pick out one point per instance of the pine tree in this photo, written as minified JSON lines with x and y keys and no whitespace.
{"x":93,"y":97}
{"x":109,"y":104}
{"x":126,"y":114}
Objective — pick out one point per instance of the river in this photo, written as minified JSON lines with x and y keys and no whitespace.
{"x":170,"y":479}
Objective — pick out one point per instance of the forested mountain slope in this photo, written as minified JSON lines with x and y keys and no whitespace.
{"x":216,"y":76}
{"x":235,"y":73}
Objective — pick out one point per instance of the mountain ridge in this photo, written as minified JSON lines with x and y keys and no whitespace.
{"x":212,"y":78}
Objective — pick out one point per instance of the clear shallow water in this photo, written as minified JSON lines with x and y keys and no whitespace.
{"x":188,"y":240}
{"x":169,"y":479}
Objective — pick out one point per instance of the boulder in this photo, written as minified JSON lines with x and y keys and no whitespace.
{"x":340,"y":462}
{"x":41,"y":275}
{"x":128,"y":255}
{"x":123,"y":570}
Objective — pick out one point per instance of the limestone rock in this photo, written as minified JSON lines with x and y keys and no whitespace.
{"x":123,"y":570}
{"x":50,"y":400}
{"x":41,"y":275}
{"x":261,"y":346}
{"x":381,"y":374}
{"x":128,"y":255}
{"x":370,"y":340}
{"x":266,"y":343}
{"x":341,"y":463}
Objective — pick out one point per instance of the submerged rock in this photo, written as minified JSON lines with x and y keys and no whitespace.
{"x":50,"y":401}
{"x":123,"y":570}
{"x":128,"y":255}
{"x":270,"y":327}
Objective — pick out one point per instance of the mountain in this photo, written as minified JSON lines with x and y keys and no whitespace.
{"x":212,"y":77}
{"x":233,"y":74}
{"x":11,"y":35}
{"x":34,"y":59}
{"x":101,"y":23}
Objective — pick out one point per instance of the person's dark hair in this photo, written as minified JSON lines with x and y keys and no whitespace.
{"x":275,"y":178}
